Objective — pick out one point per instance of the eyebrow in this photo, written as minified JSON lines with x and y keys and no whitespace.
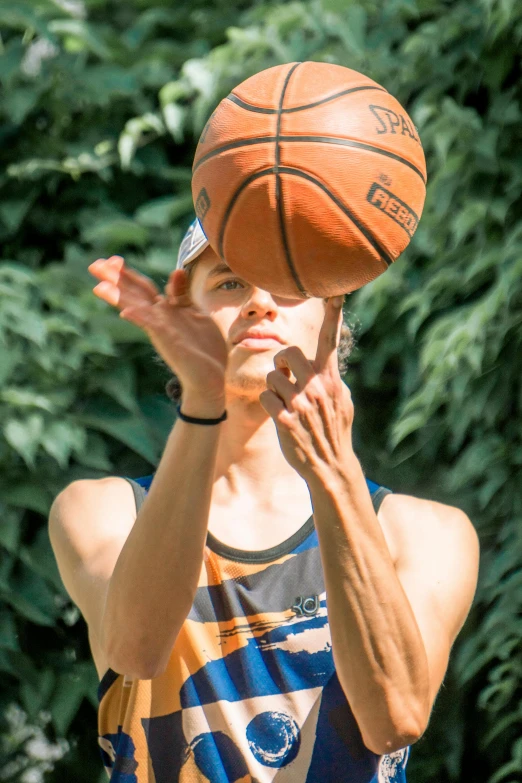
{"x":218,"y":270}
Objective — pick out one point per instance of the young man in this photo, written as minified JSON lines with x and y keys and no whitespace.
{"x":257,"y":610}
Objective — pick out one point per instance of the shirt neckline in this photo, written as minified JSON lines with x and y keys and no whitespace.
{"x":262,"y":555}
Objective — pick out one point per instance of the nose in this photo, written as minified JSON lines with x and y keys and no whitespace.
{"x":259,"y":302}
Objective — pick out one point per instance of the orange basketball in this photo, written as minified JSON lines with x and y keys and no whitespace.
{"x":309,"y":179}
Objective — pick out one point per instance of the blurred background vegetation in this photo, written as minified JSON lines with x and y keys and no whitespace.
{"x":101,"y":106}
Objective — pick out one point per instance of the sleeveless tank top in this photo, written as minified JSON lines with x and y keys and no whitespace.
{"x":250,"y":693}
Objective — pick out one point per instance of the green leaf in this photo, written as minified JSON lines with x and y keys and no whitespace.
{"x":13,"y":272}
{"x":27,"y":494}
{"x":117,"y":330}
{"x":24,"y":436}
{"x":161,"y":212}
{"x":29,"y":595}
{"x":22,"y":398}
{"x":116,"y":234}
{"x":160,"y":415}
{"x":120,"y":383}
{"x":8,"y":631}
{"x":20,"y":666}
{"x":13,"y":212}
{"x":23,"y":17}
{"x":40,"y":559}
{"x":174,"y":91}
{"x":106,"y":83}
{"x":35,"y":699}
{"x":26,"y":324}
{"x":352,"y":29}
{"x":61,"y":438}
{"x":95,"y":454}
{"x":174,"y":116}
{"x":10,"y":525}
{"x":70,"y":690}
{"x":84,"y":35}
{"x":8,"y":362}
{"x":468,"y":218}
{"x":406,"y":426}
{"x":160,"y":261}
{"x":129,"y":429}
{"x":135,"y":130}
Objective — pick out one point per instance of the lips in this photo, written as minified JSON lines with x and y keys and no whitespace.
{"x":258,"y":335}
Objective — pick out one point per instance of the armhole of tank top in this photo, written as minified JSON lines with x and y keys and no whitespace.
{"x":378,"y":496}
{"x":139,"y":492}
{"x":111,"y":676}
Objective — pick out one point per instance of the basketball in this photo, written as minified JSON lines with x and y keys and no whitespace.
{"x":309,"y":180}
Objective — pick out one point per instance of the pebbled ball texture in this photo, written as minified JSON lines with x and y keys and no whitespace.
{"x":309,"y":179}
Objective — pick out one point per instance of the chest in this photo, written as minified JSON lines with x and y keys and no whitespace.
{"x":253,"y":531}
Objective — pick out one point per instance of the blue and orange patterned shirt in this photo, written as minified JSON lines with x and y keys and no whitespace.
{"x":250,"y":693}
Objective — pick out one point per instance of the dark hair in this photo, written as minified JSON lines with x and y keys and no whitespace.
{"x":346,"y":345}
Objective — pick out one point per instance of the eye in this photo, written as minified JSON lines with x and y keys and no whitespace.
{"x":231,"y":280}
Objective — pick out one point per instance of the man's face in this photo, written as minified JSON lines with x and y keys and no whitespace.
{"x":236,"y":305}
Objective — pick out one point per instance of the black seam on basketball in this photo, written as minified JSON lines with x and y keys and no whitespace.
{"x":286,"y":170}
{"x":362,"y":228}
{"x":358,"y":145}
{"x":232,"y":202}
{"x":279,"y":193}
{"x":231,"y":146}
{"x":249,"y":106}
{"x":279,"y":112}
{"x":333,"y":98}
{"x":261,"y":110}
{"x":312,"y":139}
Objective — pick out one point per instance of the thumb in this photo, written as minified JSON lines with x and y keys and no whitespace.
{"x":178,"y":288}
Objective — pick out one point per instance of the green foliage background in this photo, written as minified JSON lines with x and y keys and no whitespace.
{"x":101,"y":106}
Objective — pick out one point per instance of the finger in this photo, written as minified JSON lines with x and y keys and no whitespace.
{"x":108,"y":293}
{"x":294,"y":359}
{"x":279,"y":383}
{"x":107,"y":268}
{"x":138,"y":282}
{"x":330,"y":334}
{"x":147,"y":318}
{"x":178,"y":289}
{"x":114,"y":270}
{"x":120,"y":297}
{"x":178,"y":279}
{"x":271,"y":403}
{"x":137,"y":316}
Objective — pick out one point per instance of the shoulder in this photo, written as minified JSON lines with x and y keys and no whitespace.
{"x":438,"y":560}
{"x":86,"y":491}
{"x":87,"y":510}
{"x":419,"y":524}
{"x":89,"y":522}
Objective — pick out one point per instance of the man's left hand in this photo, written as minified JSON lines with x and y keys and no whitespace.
{"x":314,"y":415}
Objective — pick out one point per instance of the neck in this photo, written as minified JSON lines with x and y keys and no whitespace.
{"x":250,"y":465}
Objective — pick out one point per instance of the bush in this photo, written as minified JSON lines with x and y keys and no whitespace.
{"x":101,"y":108}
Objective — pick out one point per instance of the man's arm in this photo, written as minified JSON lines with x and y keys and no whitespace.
{"x":135,"y":581}
{"x":392,"y":625}
{"x":392,"y":629}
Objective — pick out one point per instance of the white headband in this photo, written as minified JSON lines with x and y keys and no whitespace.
{"x":193,"y":244}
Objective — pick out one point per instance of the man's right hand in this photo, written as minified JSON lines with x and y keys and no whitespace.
{"x":187,"y":339}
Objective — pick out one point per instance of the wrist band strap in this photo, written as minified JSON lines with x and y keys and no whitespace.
{"x":193,"y":420}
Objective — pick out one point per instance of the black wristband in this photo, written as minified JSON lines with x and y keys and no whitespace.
{"x":192,"y":420}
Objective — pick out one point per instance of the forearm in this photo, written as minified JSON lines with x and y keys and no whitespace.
{"x":378,"y":650}
{"x":155,"y":578}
